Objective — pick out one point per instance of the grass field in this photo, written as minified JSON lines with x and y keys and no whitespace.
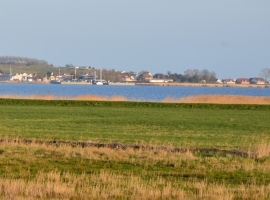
{"x":46,"y":171}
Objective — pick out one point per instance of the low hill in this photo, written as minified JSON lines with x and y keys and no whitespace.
{"x":41,"y":69}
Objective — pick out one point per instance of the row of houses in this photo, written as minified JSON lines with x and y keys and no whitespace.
{"x":24,"y":77}
{"x":146,"y":76}
{"x":125,"y":77}
{"x":256,"y":80}
{"x":161,"y":78}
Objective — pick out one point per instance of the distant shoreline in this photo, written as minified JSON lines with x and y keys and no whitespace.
{"x":162,"y":84}
{"x":206,"y":85}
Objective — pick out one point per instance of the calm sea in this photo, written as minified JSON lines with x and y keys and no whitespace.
{"x":155,"y":93}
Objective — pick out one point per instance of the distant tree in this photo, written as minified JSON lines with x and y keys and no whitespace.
{"x":175,"y":77}
{"x":196,"y":76}
{"x":213,"y":77}
{"x":182,"y":78}
{"x":265,"y":73}
{"x":21,"y":60}
{"x":69,"y":66}
{"x":159,"y":76}
{"x":206,"y":75}
{"x":188,"y":73}
{"x":49,"y":74}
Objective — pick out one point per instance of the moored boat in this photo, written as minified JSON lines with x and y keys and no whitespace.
{"x":55,"y":82}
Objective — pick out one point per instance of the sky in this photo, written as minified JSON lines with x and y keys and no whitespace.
{"x":231,"y":38}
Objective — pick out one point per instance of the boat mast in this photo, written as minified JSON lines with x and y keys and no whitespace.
{"x":100,"y":74}
{"x":10,"y":73}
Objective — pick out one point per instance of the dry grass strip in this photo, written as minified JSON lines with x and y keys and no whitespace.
{"x":136,"y":147}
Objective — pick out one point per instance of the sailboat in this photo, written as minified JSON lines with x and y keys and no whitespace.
{"x":100,"y":81}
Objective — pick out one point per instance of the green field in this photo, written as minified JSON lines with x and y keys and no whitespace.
{"x":155,"y":174}
{"x":129,"y":123}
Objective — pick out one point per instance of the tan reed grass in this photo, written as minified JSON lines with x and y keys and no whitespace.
{"x":218,"y":99}
{"x":223,"y":99}
{"x":59,"y":97}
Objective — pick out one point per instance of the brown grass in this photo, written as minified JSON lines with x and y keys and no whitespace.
{"x":218,"y":99}
{"x":103,"y":184}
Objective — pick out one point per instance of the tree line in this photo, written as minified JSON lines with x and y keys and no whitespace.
{"x":21,"y":60}
{"x":191,"y":75}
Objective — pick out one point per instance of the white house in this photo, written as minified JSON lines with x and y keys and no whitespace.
{"x":258,"y":81}
{"x":218,"y":81}
{"x":22,"y":77}
{"x":155,"y":80}
{"x":228,"y":81}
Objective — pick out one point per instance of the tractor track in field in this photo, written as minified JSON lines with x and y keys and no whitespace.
{"x":134,"y":147}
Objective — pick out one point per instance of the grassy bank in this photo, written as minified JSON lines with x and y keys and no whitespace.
{"x":62,"y":171}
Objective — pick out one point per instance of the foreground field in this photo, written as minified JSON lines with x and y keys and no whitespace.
{"x":65,"y":171}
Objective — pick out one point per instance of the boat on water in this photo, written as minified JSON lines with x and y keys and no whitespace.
{"x":55,"y":82}
{"x":121,"y":83}
{"x":100,"y":81}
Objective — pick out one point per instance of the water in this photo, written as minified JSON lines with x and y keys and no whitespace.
{"x":155,"y":93}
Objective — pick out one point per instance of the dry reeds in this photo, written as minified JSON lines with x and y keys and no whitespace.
{"x":125,"y":184}
{"x":63,"y":97}
{"x":217,"y":99}
{"x":106,"y":185}
{"x":221,"y":99}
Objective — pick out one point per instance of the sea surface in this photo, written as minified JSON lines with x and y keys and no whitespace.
{"x":147,"y":93}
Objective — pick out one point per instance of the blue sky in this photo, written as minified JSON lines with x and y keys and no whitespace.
{"x":231,"y":38}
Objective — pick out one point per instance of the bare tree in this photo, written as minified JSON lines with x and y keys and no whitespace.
{"x":213,"y":76}
{"x":265,"y":73}
{"x":206,"y":75}
{"x":189,"y":73}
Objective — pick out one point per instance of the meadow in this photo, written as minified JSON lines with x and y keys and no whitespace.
{"x":47,"y":170}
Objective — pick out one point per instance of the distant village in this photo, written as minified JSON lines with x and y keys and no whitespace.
{"x":91,"y":75}
{"x":146,"y":77}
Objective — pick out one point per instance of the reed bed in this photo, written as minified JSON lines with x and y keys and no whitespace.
{"x":216,"y":99}
{"x":59,"y":97}
{"x":220,"y":99}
